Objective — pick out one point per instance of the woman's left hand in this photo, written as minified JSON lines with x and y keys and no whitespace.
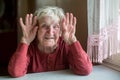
{"x":68,"y":28}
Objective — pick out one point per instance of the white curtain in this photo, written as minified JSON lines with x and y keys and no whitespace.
{"x":102,"y":29}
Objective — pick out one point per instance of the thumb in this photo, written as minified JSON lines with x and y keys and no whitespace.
{"x":35,"y":30}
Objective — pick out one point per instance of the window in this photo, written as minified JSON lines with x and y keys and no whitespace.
{"x":103,"y":37}
{"x":114,"y":60}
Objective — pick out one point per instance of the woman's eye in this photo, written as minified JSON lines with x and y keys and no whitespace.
{"x":44,"y":26}
{"x":56,"y":26}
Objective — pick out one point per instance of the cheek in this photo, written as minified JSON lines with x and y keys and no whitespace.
{"x":40,"y":34}
{"x":57,"y":32}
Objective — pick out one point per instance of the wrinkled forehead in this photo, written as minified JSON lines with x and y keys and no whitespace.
{"x":49,"y":19}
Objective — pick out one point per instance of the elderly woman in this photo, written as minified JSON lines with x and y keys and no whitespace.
{"x":48,"y":44}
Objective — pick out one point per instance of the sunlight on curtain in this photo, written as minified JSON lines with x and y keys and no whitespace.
{"x":119,"y":31}
{"x":102,"y":29}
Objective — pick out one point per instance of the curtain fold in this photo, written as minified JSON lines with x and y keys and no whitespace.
{"x":102,"y":29}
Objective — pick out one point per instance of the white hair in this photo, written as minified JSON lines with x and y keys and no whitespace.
{"x":53,"y":11}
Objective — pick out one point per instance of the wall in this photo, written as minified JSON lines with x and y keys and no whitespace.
{"x":79,"y":9}
{"x":24,"y":7}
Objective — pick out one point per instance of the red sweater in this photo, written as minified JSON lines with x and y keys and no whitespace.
{"x":31,"y":59}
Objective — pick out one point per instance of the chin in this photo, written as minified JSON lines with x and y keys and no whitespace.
{"x":49,"y":44}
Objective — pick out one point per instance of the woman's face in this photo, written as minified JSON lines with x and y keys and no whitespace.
{"x":48,"y":31}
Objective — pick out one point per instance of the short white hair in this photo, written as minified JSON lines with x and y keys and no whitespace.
{"x":52,"y":11}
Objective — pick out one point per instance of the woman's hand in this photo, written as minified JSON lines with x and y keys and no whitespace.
{"x":69,"y":28}
{"x":29,"y":28}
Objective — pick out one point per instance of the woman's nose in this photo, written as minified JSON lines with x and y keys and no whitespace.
{"x":50,"y":30}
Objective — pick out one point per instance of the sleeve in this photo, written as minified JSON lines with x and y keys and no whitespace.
{"x":19,"y":61}
{"x":79,"y":60}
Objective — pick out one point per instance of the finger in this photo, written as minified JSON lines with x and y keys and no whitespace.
{"x":30,"y":19}
{"x":74,"y":21}
{"x":63,"y":21}
{"x":71,"y":19}
{"x":27,"y":19}
{"x":74,"y":24}
{"x":34,"y":21}
{"x":63,"y":25}
{"x":35,"y":30}
{"x":21,"y":23}
{"x":67,"y":18}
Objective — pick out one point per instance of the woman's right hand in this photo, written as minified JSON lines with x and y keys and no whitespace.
{"x":29,"y":28}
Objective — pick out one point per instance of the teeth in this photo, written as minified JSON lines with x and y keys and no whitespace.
{"x":49,"y":38}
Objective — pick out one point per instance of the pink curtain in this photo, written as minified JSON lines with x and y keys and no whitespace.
{"x":103,"y":45}
{"x":102,"y":29}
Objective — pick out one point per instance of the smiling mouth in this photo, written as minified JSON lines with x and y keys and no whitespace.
{"x":49,"y":38}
